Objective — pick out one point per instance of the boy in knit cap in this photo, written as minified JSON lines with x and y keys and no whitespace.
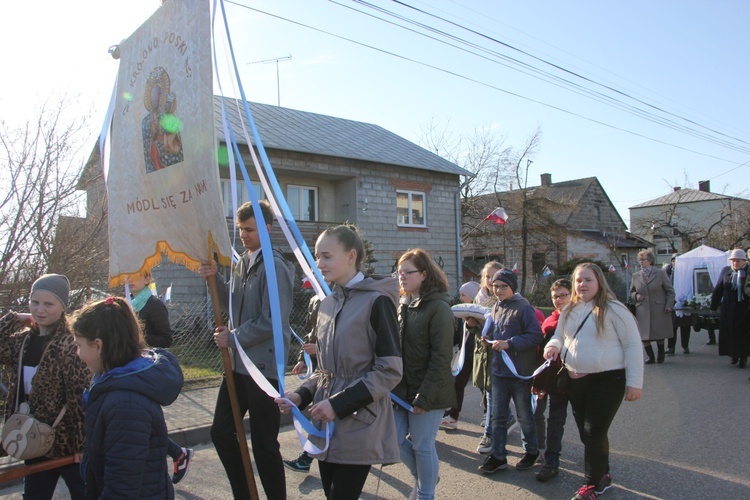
{"x":515,"y":330}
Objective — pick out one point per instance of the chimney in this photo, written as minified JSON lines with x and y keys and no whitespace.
{"x":546,"y":179}
{"x":704,"y":186}
{"x":677,"y":188}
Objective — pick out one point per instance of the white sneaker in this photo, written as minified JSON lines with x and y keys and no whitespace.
{"x":485,"y":445}
{"x":413,"y":494}
{"x":449,"y":423}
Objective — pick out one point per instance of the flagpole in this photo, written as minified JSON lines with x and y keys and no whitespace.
{"x":229,"y":375}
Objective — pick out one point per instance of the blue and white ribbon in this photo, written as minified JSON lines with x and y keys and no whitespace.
{"x":306,"y":357}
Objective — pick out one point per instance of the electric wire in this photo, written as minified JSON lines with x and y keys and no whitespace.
{"x":478,"y":82}
{"x":560,"y":68}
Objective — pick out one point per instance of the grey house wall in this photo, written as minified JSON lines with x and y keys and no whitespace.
{"x":365,"y":193}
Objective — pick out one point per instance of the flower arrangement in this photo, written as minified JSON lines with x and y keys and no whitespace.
{"x":699,"y":301}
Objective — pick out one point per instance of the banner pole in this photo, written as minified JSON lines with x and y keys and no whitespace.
{"x":8,"y":474}
{"x":226,"y":360}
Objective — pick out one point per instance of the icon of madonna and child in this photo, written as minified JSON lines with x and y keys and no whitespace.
{"x":162,"y":144}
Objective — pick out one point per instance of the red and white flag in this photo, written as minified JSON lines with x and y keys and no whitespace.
{"x":306,"y":283}
{"x":627,"y":265}
{"x":515,"y":267}
{"x":612,"y":268}
{"x":498,"y":216}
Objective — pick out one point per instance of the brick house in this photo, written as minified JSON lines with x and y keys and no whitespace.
{"x":563,"y":221}
{"x":335,"y":170}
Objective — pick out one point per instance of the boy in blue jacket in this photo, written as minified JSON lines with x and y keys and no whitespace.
{"x":516,"y":331}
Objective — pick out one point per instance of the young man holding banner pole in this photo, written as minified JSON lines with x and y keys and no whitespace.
{"x":250,"y":310}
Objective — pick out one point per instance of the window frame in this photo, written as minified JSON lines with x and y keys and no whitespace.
{"x":303,"y":188}
{"x":225,"y":185}
{"x":409,"y":193}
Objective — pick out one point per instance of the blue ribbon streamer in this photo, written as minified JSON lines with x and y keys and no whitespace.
{"x":401,"y":402}
{"x":305,"y":356}
{"x":279,"y":196}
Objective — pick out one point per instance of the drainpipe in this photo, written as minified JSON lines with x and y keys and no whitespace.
{"x":459,"y":260}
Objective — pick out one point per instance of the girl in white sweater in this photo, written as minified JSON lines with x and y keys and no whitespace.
{"x":598,"y":340}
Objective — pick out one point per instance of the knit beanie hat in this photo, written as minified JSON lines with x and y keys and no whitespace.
{"x":470,"y":289}
{"x":508,"y":277}
{"x":56,"y":284}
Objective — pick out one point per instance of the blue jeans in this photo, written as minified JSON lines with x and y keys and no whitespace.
{"x":503,"y":389}
{"x":418,"y":452}
{"x":552,"y":434}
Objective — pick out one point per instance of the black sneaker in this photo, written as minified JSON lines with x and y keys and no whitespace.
{"x":300,"y":464}
{"x":491,"y":464}
{"x":604,"y":484}
{"x":546,"y":473}
{"x":182,"y":465}
{"x":527,"y":461}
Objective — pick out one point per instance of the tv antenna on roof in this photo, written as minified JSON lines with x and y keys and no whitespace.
{"x":276,"y":60}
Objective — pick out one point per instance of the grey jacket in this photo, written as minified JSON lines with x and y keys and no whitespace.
{"x":359,"y":363}
{"x":654,"y":323}
{"x":251,"y":312}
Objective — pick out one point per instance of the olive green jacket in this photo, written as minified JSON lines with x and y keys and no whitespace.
{"x":426,"y":335}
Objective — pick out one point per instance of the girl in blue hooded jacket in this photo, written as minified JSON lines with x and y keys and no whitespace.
{"x":123,"y":414}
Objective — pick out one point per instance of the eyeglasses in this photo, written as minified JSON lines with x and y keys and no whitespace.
{"x":404,"y":274}
{"x":561,"y":296}
{"x":500,"y":287}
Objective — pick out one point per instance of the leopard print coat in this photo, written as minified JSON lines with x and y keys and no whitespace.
{"x":60,"y":378}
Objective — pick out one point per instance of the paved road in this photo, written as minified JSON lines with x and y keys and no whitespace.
{"x":687,"y":438}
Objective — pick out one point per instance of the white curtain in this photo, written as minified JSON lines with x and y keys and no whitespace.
{"x":703,"y":257}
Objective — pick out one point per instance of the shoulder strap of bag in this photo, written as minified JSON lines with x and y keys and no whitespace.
{"x":20,"y":372}
{"x":18,"y":385}
{"x":576,"y":334}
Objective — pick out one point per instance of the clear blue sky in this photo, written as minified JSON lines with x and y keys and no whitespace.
{"x":687,"y":57}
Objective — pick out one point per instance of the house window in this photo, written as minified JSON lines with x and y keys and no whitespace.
{"x":242,"y":195}
{"x":410,"y":208}
{"x":303,"y":202}
{"x":664,"y":251}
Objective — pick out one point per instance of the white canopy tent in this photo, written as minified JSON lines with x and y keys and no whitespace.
{"x":703,"y":257}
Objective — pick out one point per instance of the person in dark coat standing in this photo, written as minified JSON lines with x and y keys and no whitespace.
{"x":157,"y":331}
{"x":734,"y":321}
{"x":126,"y":436}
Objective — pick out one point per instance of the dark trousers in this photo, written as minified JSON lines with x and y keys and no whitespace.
{"x":595,"y":399}
{"x":41,"y":486}
{"x":174,"y":450}
{"x":550,"y":435}
{"x":463,"y":377}
{"x":343,"y":481}
{"x":683,"y":324}
{"x":264,"y":432}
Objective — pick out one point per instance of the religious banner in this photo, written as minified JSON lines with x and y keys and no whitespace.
{"x":163,"y":175}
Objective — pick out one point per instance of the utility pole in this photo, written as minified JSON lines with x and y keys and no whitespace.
{"x":276,"y":60}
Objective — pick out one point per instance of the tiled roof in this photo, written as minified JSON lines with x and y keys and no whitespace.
{"x":293,"y":130}
{"x":682,"y":196}
{"x":562,"y":199}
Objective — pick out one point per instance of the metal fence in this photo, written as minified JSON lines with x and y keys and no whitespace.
{"x":193,"y":325}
